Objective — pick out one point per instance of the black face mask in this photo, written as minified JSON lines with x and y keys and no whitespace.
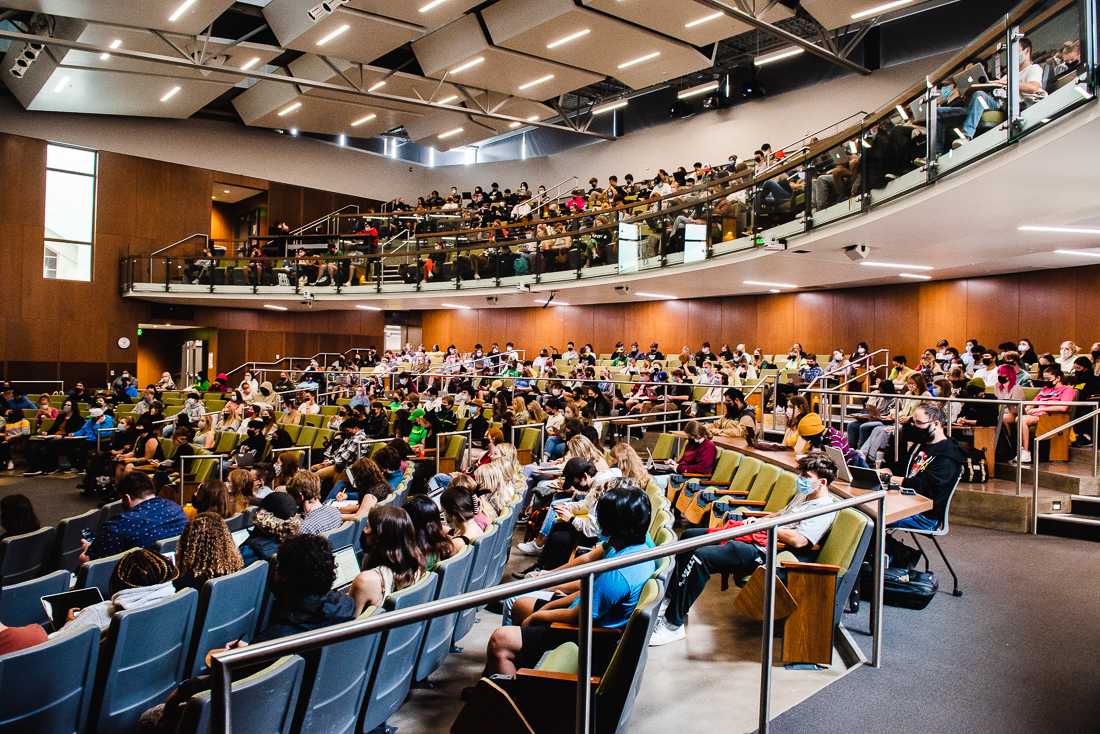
{"x":1003,"y":380}
{"x":987,"y":361}
{"x":923,"y":435}
{"x":1096,"y":354}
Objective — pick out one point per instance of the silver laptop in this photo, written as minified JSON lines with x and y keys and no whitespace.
{"x":968,"y":77}
{"x":843,"y":473}
{"x":347,"y":568}
{"x":240,"y":536}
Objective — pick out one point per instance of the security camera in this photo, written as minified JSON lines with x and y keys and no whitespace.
{"x":857,"y":252}
{"x":491,"y":300}
{"x":622,"y":290}
{"x":317,"y":12}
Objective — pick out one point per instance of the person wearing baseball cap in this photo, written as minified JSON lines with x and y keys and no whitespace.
{"x":421,"y":429}
{"x":817,"y":435}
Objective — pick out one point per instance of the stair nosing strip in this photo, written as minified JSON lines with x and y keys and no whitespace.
{"x":1069,"y":517}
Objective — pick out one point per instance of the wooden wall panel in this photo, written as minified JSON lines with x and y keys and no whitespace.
{"x":814,"y":321}
{"x":232,"y":349}
{"x":577,"y":323}
{"x":1043,"y":294}
{"x":1086,"y":308}
{"x":775,"y":323}
{"x":853,"y":318}
{"x":896,"y":320}
{"x":942,"y":312}
{"x":264,"y":345}
{"x":739,"y":322}
{"x":704,"y":322}
{"x":992,"y":309}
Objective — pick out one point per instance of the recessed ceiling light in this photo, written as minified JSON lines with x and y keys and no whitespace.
{"x":368,"y":308}
{"x":704,"y":19}
{"x":467,"y":65}
{"x":448,"y":100}
{"x":328,"y":37}
{"x":250,"y":63}
{"x":273,"y":307}
{"x":643,"y":294}
{"x":376,"y":86}
{"x":450,"y":133}
{"x":774,"y":290}
{"x":914,"y":276}
{"x":902,"y":112}
{"x":64,"y":82}
{"x":1079,"y":253}
{"x":877,"y":9}
{"x":777,"y":56}
{"x":454,"y":305}
{"x":513,"y":125}
{"x":696,"y":91}
{"x":180,"y":10}
{"x":896,"y":266}
{"x":571,"y":37}
{"x":536,"y":82}
{"x":114,"y":44}
{"x":361,"y":120}
{"x":169,"y":94}
{"x":225,"y":191}
{"x":289,"y":108}
{"x":432,"y":5}
{"x":769,"y":285}
{"x":1059,"y":230}
{"x":294,"y":132}
{"x":608,"y":107}
{"x":639,"y":60}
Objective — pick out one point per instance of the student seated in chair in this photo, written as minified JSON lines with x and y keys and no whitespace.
{"x":148,"y":518}
{"x":741,"y":556}
{"x":1058,"y":391}
{"x":934,"y":467}
{"x":624,"y":515}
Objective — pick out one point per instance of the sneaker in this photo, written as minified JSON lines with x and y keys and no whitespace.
{"x":664,"y":633}
{"x":530,"y":548}
{"x":525,"y":572}
{"x":1024,"y":458}
{"x":33,"y":473}
{"x":11,"y":465}
{"x":537,"y":572}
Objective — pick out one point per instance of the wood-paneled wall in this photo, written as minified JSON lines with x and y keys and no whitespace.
{"x":1046,"y":306}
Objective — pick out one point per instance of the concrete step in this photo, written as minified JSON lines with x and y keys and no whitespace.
{"x":1068,"y":477}
{"x":1083,"y":505}
{"x":1080,"y":527}
{"x":996,"y":506}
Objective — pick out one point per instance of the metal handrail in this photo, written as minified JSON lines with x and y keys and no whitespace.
{"x":1094,"y":416}
{"x":540,"y":427}
{"x":847,"y":367}
{"x":307,"y":449}
{"x":183,"y":460}
{"x":193,"y":235}
{"x":315,"y":222}
{"x":224,"y":663}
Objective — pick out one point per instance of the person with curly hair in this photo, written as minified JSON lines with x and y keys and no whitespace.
{"x":141,"y":577}
{"x":393,"y":561}
{"x":431,"y":539}
{"x":305,"y":570}
{"x":206,"y":551}
{"x":367,"y":480}
{"x":276,"y":521}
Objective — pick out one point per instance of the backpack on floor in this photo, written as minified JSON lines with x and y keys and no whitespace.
{"x":908,"y":588}
{"x":975,"y":470}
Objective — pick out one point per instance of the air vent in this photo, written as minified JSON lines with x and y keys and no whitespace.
{"x":801,"y":252}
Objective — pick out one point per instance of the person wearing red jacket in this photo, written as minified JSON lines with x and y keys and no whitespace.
{"x":699,"y":456}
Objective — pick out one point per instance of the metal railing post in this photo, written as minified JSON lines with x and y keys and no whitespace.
{"x":878,"y":570}
{"x":1020,"y":448}
{"x":897,"y":437}
{"x":768,"y":638}
{"x":1035,"y":492}
{"x":584,"y":657}
{"x":1095,"y":444}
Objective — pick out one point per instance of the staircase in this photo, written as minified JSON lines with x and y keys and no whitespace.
{"x":1081,"y":522}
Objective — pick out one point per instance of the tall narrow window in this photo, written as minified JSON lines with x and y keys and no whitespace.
{"x":70,"y":213}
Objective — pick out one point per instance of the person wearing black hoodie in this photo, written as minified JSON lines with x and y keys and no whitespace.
{"x":305,"y":570}
{"x":934,"y":467}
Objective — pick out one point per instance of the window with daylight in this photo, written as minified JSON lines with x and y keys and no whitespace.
{"x":70,"y":213}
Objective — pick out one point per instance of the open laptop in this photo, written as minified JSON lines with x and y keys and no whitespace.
{"x":57,"y":606}
{"x":240,"y":536}
{"x":347,"y":568}
{"x":968,"y":77}
{"x":857,"y":476}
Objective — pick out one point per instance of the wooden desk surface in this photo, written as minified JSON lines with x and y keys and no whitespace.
{"x":898,"y":506}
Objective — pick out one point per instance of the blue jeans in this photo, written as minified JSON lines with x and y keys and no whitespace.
{"x":555,"y":447}
{"x":975,"y":110}
{"x":859,"y":432}
{"x":916,"y":522}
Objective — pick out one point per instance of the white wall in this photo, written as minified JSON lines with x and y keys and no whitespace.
{"x":223,"y":146}
{"x":709,"y":137}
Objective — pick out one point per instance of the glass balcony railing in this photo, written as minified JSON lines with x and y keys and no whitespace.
{"x":1019,"y":76}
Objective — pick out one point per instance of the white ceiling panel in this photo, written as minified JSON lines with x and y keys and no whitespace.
{"x":688,"y":20}
{"x":524,"y":109}
{"x":453,"y":51}
{"x":431,"y":14}
{"x":837,"y":13}
{"x":180,"y":16}
{"x":346,"y":33}
{"x":631,"y":54}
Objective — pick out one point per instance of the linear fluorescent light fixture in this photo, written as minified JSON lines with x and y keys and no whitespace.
{"x":774,"y":290}
{"x":704,"y":19}
{"x":513,"y":125}
{"x":289,"y":108}
{"x":879,"y":9}
{"x":571,"y":37}
{"x":455,"y":305}
{"x":532,"y":118}
{"x":696,"y":91}
{"x":273,"y":307}
{"x":328,"y":37}
{"x":609,"y":107}
{"x":771,"y":58}
{"x":250,"y":63}
{"x":640,"y":60}
{"x":170,"y":93}
{"x":643,"y":294}
{"x":448,"y":100}
{"x":1078,"y":253}
{"x":902,"y":112}
{"x":183,"y":8}
{"x":376,"y":86}
{"x":766,"y":284}
{"x":342,"y":140}
{"x":552,"y":303}
{"x":431,"y":6}
{"x":361,"y":120}
{"x":914,"y":276}
{"x":367,"y":308}
{"x":450,"y":133}
{"x":536,"y":82}
{"x":114,"y":44}
{"x":64,"y":82}
{"x":467,"y":65}
{"x":896,"y":266}
{"x":1059,"y":230}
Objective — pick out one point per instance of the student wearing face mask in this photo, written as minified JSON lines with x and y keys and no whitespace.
{"x":741,"y":556}
{"x":986,"y":369}
{"x":1067,"y":352}
{"x":1028,"y":356}
{"x":933,"y":469}
{"x":1087,"y":385}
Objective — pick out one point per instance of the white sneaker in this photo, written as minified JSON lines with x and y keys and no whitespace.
{"x":11,"y":465}
{"x":1024,"y":458}
{"x":537,"y":572}
{"x":530,"y":548}
{"x":664,"y":633}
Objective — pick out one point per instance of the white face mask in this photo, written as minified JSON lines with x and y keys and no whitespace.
{"x":1021,"y":347}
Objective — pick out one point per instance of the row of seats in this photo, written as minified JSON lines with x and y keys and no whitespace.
{"x":28,"y":556}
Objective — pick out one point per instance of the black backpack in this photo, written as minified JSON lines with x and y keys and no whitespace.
{"x":908,"y":588}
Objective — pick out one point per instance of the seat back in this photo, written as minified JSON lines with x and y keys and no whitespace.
{"x":67,"y":545}
{"x":240,"y":521}
{"x":166,"y":545}
{"x":23,"y":557}
{"x":49,"y":687}
{"x":525,"y":447}
{"x":746,"y":472}
{"x":666,"y":444}
{"x":620,"y":682}
{"x":334,"y":684}
{"x":453,"y":574}
{"x":293,"y":430}
{"x":765,"y":478}
{"x":307,"y":436}
{"x":452,"y":455}
{"x":324,"y":435}
{"x":662,"y":519}
{"x":144,"y":658}
{"x":228,"y":609}
{"x":846,"y":546}
{"x":783,"y":491}
{"x":342,"y":536}
{"x":111,"y":510}
{"x":227,"y":441}
{"x":314,"y":421}
{"x":483,"y":555}
{"x":397,"y":650}
{"x":724,"y":468}
{"x":21,"y":604}
{"x":262,"y":702}
{"x":97,"y":573}
{"x":506,"y":523}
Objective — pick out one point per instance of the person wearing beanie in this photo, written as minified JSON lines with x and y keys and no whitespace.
{"x":141,"y":577}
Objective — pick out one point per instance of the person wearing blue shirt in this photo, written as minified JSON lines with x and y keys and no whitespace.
{"x":83,"y":440}
{"x":148,"y":518}
{"x":623,"y":512}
